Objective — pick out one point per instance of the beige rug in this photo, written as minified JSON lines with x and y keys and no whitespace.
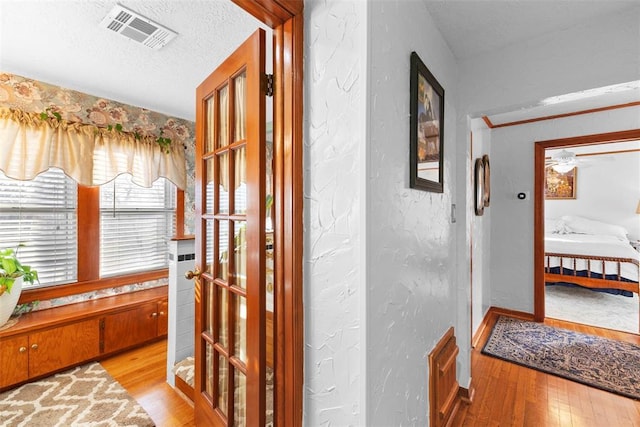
{"x":599,"y":309}
{"x":83,"y":396}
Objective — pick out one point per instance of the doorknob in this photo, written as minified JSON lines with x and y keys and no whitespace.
{"x":191,"y":274}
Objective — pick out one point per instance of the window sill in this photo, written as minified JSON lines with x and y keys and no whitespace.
{"x":59,"y":291}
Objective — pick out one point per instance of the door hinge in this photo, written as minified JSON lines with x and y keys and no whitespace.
{"x":269,"y":84}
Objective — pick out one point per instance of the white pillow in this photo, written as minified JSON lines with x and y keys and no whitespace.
{"x":580,"y":225}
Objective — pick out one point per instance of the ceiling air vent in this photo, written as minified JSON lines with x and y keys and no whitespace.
{"x":137,"y":28}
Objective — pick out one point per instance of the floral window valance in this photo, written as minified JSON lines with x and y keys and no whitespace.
{"x":44,"y":126}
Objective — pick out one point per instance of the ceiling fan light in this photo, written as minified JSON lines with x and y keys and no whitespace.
{"x":565,"y":156}
{"x":563,"y":167}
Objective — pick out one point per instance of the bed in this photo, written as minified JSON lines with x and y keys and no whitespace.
{"x":591,"y":254}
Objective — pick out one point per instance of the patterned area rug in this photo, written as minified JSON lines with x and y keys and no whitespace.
{"x":597,"y":362}
{"x":83,"y":396}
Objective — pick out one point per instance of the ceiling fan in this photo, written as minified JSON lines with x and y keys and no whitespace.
{"x":564,"y":161}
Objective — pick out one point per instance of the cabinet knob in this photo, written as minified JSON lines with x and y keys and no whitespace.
{"x":22,"y":349}
{"x":154,"y":314}
{"x":162,"y":313}
{"x":34,"y":346}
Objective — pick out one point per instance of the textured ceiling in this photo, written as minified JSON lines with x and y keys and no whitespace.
{"x":60,"y":42}
{"x":473,"y":27}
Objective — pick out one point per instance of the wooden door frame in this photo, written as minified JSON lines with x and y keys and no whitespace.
{"x":286,"y":18}
{"x":538,"y":219}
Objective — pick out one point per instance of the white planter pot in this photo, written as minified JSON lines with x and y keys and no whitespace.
{"x":8,"y":301}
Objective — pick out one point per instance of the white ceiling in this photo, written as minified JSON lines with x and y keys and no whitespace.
{"x":60,"y":42}
{"x":474,"y":27}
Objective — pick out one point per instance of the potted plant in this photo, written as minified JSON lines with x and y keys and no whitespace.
{"x":12,"y":274}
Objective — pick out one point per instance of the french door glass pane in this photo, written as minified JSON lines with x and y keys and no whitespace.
{"x":209,"y":193}
{"x":223,"y":250}
{"x":208,"y":305}
{"x":240,"y":193}
{"x":223,"y":119}
{"x":240,"y":332}
{"x":210,"y":125}
{"x":240,"y":107}
{"x":240,"y":399}
{"x":209,"y":249}
{"x":222,"y":383}
{"x":208,"y":378}
{"x":223,"y":179}
{"x":240,"y":253}
{"x":222,"y":317}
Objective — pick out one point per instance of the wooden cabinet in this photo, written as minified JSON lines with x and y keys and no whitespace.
{"x":48,"y":341}
{"x":58,"y":348}
{"x":33,"y":355}
{"x":14,"y":360}
{"x":163,"y":317}
{"x":132,"y":327}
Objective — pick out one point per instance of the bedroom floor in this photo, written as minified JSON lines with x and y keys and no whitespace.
{"x":592,"y":308}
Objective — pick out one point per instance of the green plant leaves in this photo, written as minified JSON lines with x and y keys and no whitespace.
{"x":12,"y":268}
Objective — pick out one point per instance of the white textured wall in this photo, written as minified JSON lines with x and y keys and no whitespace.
{"x":481,"y":229}
{"x":412,"y":296}
{"x":334,"y":135}
{"x":608,"y":190}
{"x":512,"y":150}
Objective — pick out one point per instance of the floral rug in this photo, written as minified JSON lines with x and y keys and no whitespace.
{"x":594,"y":361}
{"x":83,"y":396}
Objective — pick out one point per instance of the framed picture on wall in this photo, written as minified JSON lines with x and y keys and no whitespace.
{"x":560,"y":185}
{"x":427,"y":129}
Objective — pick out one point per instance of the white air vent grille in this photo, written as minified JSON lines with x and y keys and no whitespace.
{"x":138,"y":28}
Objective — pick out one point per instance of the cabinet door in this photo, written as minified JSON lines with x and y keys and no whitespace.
{"x":131,"y":327}
{"x":14,"y":360}
{"x":163,"y":317}
{"x":64,"y":346}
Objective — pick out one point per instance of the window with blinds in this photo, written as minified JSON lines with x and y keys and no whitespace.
{"x":136,"y":224}
{"x":41,"y":215}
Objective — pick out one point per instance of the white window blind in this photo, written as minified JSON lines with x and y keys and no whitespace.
{"x":41,"y":214}
{"x":136,"y":224}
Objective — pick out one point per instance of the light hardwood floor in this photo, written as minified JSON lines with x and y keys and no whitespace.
{"x":142,"y":372}
{"x":505,"y":394}
{"x":510,"y":395}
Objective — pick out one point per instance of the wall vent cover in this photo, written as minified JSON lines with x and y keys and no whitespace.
{"x":137,"y":28}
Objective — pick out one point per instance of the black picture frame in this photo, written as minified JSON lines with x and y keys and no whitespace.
{"x":426,"y":154}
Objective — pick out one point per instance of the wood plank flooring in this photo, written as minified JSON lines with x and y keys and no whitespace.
{"x":142,"y":372}
{"x":505,"y":394}
{"x":511,"y":395}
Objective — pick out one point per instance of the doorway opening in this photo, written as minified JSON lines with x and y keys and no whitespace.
{"x":581,"y":232}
